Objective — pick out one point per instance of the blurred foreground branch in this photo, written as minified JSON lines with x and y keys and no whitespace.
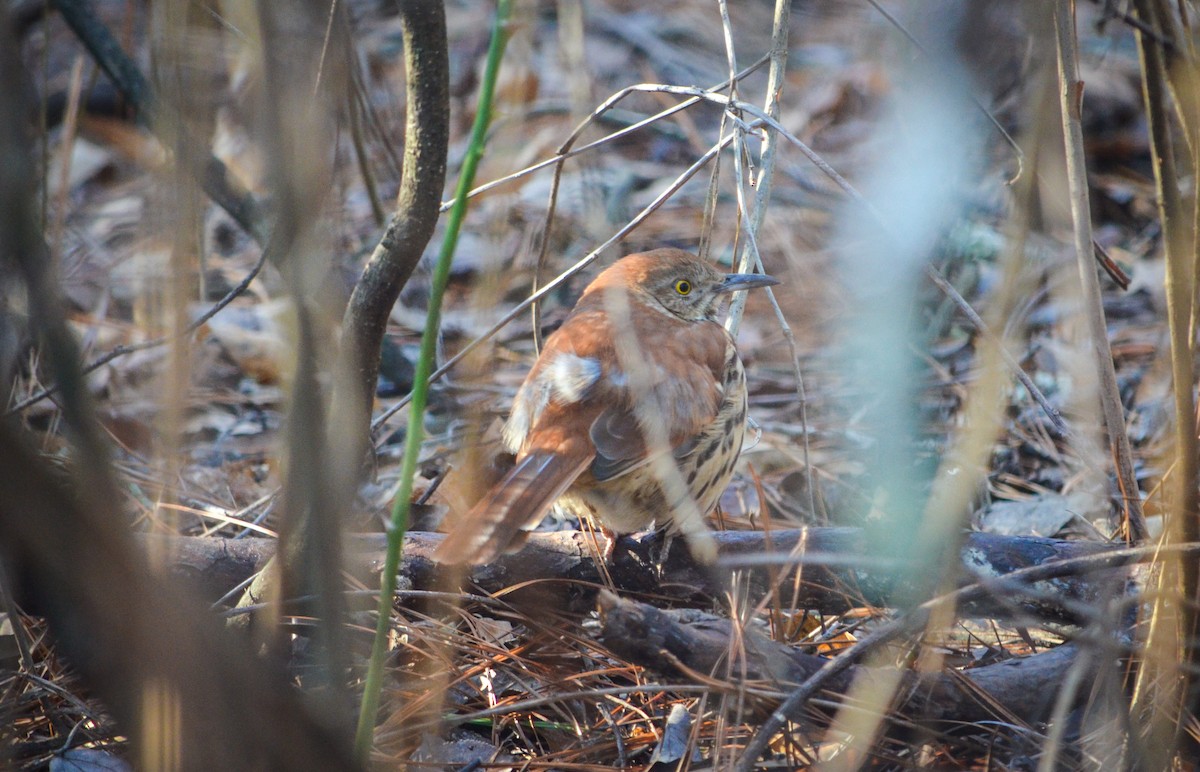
{"x":220,"y":185}
{"x":183,"y":691}
{"x":137,"y":638}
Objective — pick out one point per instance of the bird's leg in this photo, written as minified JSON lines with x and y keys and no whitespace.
{"x":604,"y":554}
{"x":599,"y":531}
{"x":610,"y":542}
{"x":660,"y":550}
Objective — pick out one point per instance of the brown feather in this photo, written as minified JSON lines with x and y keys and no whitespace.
{"x":632,"y":353}
{"x":517,"y":502}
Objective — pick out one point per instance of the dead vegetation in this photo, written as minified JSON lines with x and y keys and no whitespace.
{"x":937,"y":553}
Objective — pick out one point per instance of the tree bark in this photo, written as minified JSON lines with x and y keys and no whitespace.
{"x":680,"y":643}
{"x":559,"y":569}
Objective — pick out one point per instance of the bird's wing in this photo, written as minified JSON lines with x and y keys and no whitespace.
{"x":621,"y":445}
{"x":579,"y":409}
{"x":567,"y":374}
{"x":681,"y":387}
{"x":547,"y":429}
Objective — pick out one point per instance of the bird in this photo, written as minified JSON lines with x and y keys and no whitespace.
{"x":633,"y":414}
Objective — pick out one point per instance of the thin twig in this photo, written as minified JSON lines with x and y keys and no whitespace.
{"x":750,"y":259}
{"x":357,"y":104}
{"x":218,"y":183}
{"x":1110,"y":9}
{"x":565,"y":151}
{"x":606,"y":106}
{"x":66,"y":150}
{"x":559,"y":280}
{"x":120,"y":351}
{"x":1070,"y":98}
{"x":711,"y":197}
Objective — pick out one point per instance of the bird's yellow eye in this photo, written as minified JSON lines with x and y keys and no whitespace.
{"x":683,"y":286}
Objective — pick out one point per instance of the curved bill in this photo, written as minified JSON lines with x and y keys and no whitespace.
{"x":744,"y":281}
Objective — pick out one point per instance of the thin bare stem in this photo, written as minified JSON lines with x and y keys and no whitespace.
{"x":1173,"y":623}
{"x":1070,"y":95}
{"x":565,"y":151}
{"x":582,"y":263}
{"x":760,"y":118}
{"x":750,"y":259}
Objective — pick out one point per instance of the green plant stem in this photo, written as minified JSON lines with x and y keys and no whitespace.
{"x":412,"y":441}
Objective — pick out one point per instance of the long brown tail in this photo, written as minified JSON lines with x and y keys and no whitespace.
{"x":517,"y":502}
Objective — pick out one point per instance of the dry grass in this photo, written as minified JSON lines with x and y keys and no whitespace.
{"x":196,"y":425}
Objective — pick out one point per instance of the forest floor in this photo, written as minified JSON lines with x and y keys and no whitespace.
{"x":539,"y":688}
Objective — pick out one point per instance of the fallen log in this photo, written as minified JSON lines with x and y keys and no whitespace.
{"x":833,"y":573}
{"x":685,"y":642}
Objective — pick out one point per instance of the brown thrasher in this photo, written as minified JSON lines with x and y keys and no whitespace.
{"x":634,"y":412}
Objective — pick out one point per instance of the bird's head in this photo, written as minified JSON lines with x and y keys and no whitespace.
{"x":678,"y":282}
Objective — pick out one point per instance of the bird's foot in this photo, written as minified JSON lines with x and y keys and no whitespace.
{"x":660,"y":550}
{"x":605,"y":541}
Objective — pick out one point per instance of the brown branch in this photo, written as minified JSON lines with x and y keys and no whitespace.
{"x":681,"y":642}
{"x":426,"y":139}
{"x":558,"y":568}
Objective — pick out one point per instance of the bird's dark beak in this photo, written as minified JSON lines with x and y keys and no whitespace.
{"x":744,"y":281}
